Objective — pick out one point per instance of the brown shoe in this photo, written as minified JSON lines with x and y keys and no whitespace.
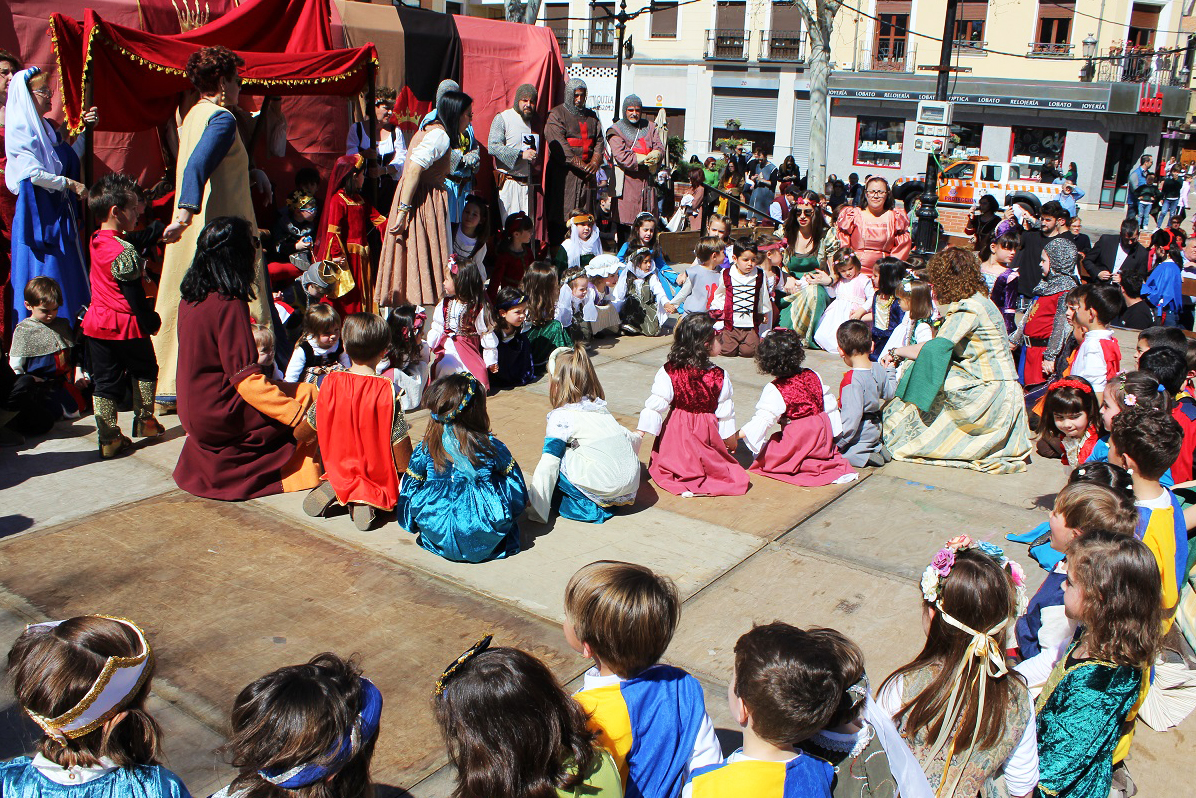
{"x":363,"y":516}
{"x":115,"y":448}
{"x":148,"y":428}
{"x":320,"y":500}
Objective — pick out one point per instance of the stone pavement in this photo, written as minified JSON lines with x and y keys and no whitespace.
{"x":228,"y":592}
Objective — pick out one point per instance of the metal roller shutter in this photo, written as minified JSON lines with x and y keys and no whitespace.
{"x":754,"y":110}
{"x":801,"y":129}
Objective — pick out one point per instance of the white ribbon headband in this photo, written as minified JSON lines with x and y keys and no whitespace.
{"x":120,"y":678}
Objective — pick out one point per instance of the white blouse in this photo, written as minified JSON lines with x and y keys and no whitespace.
{"x":431,"y":149}
{"x":444,"y":330}
{"x":661,"y":400}
{"x":772,"y":406}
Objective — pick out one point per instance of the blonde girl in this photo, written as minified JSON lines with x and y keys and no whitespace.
{"x":589,"y":463}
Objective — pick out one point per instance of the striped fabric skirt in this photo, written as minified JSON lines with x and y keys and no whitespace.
{"x":806,"y":311}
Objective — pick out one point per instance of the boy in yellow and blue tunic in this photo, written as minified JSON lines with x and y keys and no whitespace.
{"x":650,"y":717}
{"x":786,"y":687}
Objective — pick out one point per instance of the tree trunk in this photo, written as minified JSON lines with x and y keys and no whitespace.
{"x":820,"y":72}
{"x":522,"y":12}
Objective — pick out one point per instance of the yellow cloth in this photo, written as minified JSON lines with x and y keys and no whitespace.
{"x":226,"y":194}
{"x":610,"y":719}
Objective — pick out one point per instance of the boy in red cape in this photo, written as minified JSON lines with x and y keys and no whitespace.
{"x":360,"y":425}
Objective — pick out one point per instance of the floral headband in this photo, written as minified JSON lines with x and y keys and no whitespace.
{"x":455,"y":665}
{"x":944,"y":561}
{"x":471,"y":390}
{"x":452,"y":264}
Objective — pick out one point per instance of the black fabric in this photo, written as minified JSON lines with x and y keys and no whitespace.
{"x":1028,"y":261}
{"x":1103,"y":256}
{"x":432,"y":53}
{"x":30,"y":399}
{"x":1138,"y":316}
{"x":113,"y":362}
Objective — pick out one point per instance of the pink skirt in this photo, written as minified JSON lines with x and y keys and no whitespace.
{"x":803,"y":453}
{"x":468,"y":349}
{"x":689,"y":455}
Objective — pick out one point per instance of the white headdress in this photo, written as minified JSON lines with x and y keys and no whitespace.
{"x":28,"y":138}
{"x":603,"y":265}
{"x":576,"y":246}
{"x":120,"y":678}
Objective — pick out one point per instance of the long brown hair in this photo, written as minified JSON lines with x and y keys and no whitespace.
{"x":817,"y":224}
{"x":980,"y":593}
{"x":470,"y":424}
{"x":542,"y":287}
{"x":1122,"y":596}
{"x":296,"y":715}
{"x":511,"y":730}
{"x":53,"y":668}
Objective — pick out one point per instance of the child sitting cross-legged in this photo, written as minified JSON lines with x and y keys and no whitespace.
{"x":691,"y":455}
{"x":803,"y":453}
{"x":363,"y":433}
{"x":589,"y":463}
{"x":650,"y":717}
{"x":862,"y":392}
{"x":702,"y":278}
{"x":785,"y":687}
{"x":463,"y":492}
{"x":545,"y":329}
{"x":742,"y":303}
{"x":643,"y":294}
{"x":42,"y":354}
{"x":1146,"y":441}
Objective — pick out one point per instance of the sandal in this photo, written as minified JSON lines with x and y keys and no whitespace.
{"x":115,"y":447}
{"x":320,"y":500}
{"x":363,"y":516}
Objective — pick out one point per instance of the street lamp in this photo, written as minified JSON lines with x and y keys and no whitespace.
{"x":1089,"y":69}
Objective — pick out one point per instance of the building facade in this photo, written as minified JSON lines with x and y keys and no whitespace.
{"x":1037,"y":79}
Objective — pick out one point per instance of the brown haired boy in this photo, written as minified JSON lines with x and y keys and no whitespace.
{"x":362,"y":431}
{"x":786,"y":686}
{"x":863,"y":390}
{"x":42,"y":349}
{"x":622,"y":616}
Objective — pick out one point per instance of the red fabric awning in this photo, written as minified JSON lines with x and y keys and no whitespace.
{"x":137,"y":77}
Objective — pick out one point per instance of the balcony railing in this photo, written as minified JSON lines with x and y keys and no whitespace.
{"x":784,"y":45}
{"x":970,"y":47}
{"x":1049,"y":50}
{"x":887,"y":58}
{"x":1130,"y":64}
{"x":564,"y":40}
{"x":727,"y":45}
{"x":598,"y":43}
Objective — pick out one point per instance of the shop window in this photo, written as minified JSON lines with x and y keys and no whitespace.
{"x":878,"y":141}
{"x":664,"y":21}
{"x":965,"y":139}
{"x":1033,"y":146}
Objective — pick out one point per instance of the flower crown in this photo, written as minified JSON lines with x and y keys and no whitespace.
{"x":944,"y":561}
{"x":449,"y":416}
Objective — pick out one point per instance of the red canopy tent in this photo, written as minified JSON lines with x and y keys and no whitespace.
{"x":137,"y":78}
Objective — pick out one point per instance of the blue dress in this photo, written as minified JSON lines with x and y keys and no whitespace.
{"x":19,"y":779}
{"x":463,"y":513}
{"x":45,"y":240}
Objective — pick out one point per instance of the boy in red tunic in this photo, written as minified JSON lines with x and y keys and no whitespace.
{"x":345,"y":231}
{"x":1044,"y":326}
{"x":361,"y":428}
{"x":120,"y":320}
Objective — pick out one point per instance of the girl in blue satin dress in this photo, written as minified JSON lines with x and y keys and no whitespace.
{"x":462,"y":491}
{"x":85,"y":681}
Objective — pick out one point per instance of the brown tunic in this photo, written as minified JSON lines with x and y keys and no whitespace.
{"x":572,"y":139}
{"x":412,"y":266}
{"x":638,"y":195}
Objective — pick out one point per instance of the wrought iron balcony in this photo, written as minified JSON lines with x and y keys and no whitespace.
{"x":1050,"y":50}
{"x":564,"y":40}
{"x":889,"y":57}
{"x":598,"y":43}
{"x":784,"y":45}
{"x":727,"y":45}
{"x":1130,"y":64}
{"x":970,"y":47}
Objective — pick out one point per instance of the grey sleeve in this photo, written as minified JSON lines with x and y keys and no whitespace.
{"x":507,"y":156}
{"x":851,"y":412}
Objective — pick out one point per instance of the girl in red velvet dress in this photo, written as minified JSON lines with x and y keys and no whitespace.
{"x":803,"y":452}
{"x":692,"y":454}
{"x":344,"y":233}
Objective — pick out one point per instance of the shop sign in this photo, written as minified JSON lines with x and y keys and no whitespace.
{"x":975,"y":99}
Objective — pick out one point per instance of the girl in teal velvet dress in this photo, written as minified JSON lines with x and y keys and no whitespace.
{"x":462,"y":492}
{"x":1087,"y":708}
{"x":85,"y":681}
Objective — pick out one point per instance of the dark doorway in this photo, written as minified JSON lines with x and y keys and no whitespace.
{"x":1122,"y":156}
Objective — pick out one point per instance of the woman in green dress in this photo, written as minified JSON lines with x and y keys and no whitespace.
{"x":812,"y":248}
{"x":977,"y":420}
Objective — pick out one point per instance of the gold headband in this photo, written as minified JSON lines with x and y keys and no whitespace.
{"x":585,"y":218}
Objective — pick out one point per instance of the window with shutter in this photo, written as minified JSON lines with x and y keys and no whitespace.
{"x":969,"y":22}
{"x":556,"y":17}
{"x":664,"y":21}
{"x":892,"y":33}
{"x":1144,"y":21}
